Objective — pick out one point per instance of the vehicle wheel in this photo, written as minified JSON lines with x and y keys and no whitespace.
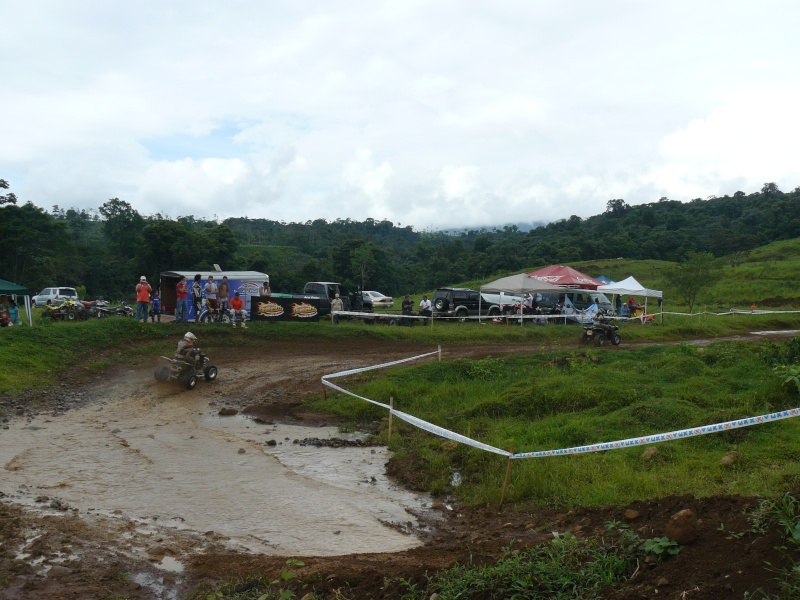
{"x":585,"y":339}
{"x":391,"y":322}
{"x":462,"y":316}
{"x":210,"y":373}
{"x":49,"y":303}
{"x":71,"y":315}
{"x":206,"y":318}
{"x":494,"y":312}
{"x":162,"y":373}
{"x":189,"y":381}
{"x":600,"y":340}
{"x":226,"y":319}
{"x":440,"y":304}
{"x":616,"y":339}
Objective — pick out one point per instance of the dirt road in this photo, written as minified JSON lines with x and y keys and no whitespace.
{"x":129,"y":487}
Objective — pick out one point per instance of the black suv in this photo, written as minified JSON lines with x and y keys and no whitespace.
{"x":462,"y":303}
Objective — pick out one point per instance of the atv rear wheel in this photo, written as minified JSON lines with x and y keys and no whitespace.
{"x":189,"y":381}
{"x":210,"y":373}
{"x":162,"y":373}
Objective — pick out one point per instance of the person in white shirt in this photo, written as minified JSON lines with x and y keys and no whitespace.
{"x":425,"y":309}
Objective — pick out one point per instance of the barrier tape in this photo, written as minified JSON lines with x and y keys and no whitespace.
{"x":598,"y":447}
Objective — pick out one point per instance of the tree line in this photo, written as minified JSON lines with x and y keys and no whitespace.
{"x":107,"y":249}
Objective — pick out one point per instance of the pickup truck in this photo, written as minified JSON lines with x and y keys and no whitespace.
{"x":325,"y":291}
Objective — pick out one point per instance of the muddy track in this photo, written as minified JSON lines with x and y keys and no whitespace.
{"x":54,"y":547}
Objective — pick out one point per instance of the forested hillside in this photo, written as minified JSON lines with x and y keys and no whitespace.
{"x":105,"y":250}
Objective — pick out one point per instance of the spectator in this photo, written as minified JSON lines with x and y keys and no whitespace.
{"x":408,"y":308}
{"x":237,"y":306}
{"x":211,"y":294}
{"x":181,"y":303}
{"x":265,"y":290}
{"x":223,"y":291}
{"x":336,"y":306}
{"x":197,"y":297}
{"x":618,"y":304}
{"x":425,"y":309}
{"x":143,"y":290}
{"x":155,"y":309}
{"x":13,"y":312}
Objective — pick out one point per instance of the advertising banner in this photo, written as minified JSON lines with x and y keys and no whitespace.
{"x":284,"y":308}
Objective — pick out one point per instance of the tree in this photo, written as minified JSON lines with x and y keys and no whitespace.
{"x":617,"y":207}
{"x":122,"y":226}
{"x":699,"y":272}
{"x":770,"y":189}
{"x":6,"y":198}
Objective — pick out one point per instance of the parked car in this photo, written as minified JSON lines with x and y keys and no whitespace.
{"x":462,"y":303}
{"x":376,"y":300}
{"x":54,"y":296}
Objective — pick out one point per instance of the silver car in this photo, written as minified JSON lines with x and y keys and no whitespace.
{"x":54,"y":296}
{"x":377,"y":300}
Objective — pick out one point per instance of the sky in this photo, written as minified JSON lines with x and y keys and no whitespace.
{"x":437,"y":114}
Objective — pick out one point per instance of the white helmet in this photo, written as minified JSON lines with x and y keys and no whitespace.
{"x":190,"y":336}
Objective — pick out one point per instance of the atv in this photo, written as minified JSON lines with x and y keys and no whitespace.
{"x":188,"y":372}
{"x":601,"y":331}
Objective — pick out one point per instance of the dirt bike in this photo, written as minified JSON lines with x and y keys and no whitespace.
{"x":66,"y":311}
{"x":98,"y":308}
{"x":213,"y":315}
{"x":123,"y":310}
{"x":186,"y":371}
{"x":601,"y":332}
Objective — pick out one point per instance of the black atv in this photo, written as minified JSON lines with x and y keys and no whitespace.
{"x":601,"y":331}
{"x":188,"y":372}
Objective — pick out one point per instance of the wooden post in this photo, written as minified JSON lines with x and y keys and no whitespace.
{"x":440,"y":353}
{"x":391,"y":406}
{"x":508,"y":472}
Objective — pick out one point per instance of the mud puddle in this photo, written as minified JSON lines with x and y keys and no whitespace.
{"x":170,"y":462}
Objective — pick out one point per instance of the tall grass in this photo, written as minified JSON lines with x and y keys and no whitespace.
{"x":570,"y":398}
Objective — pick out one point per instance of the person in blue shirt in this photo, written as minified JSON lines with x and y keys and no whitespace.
{"x":155,"y":308}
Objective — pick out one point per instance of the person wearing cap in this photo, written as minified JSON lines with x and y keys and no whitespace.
{"x":143,"y":290}
{"x":237,"y":306}
{"x":336,"y":306}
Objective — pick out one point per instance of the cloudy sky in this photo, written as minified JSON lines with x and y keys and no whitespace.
{"x":430,"y":113}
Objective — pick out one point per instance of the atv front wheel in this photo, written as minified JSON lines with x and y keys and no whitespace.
{"x":600,"y":340}
{"x":210,"y":373}
{"x":616,"y":339}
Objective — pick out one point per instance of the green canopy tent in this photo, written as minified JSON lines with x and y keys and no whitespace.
{"x":8,"y":288}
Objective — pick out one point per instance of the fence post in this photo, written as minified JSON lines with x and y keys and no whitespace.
{"x":391,"y":412}
{"x":324,"y":392}
{"x":508,"y":472}
{"x":440,"y":353}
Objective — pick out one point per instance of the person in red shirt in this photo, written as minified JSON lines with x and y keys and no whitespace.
{"x":237,"y":306}
{"x":143,"y":290}
{"x":182,"y":303}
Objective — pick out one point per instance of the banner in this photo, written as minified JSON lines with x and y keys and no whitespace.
{"x":288,"y":308}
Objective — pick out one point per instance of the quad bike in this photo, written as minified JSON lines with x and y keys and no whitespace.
{"x":601,"y":331}
{"x":67,"y":311}
{"x":187,"y":372}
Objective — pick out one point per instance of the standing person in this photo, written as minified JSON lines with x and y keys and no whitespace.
{"x":143,"y":290}
{"x":13,"y":312}
{"x":408,"y":308}
{"x":336,"y":306}
{"x":265,"y":290}
{"x":237,"y":306}
{"x":197,"y":297}
{"x":181,"y":304}
{"x":211,"y":294}
{"x":155,"y":310}
{"x":425,"y":309}
{"x":223,"y":291}
{"x":618,"y":304}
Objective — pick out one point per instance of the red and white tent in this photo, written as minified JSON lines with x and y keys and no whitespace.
{"x":567,"y":277}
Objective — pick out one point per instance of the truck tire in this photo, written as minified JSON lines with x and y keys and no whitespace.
{"x":462,"y":315}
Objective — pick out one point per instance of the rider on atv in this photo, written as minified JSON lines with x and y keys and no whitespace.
{"x":186,"y":350}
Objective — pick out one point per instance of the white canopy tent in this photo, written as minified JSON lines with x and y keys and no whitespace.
{"x":631,"y":287}
{"x":517,"y":286}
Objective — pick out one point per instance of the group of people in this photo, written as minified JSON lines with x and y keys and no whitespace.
{"x":9,"y":312}
{"x":217,"y":296}
{"x":425,"y":310}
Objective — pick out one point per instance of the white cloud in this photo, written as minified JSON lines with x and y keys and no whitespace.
{"x":436,"y":114}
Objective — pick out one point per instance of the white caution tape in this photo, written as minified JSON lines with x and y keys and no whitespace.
{"x":665,"y":437}
{"x":599,"y":447}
